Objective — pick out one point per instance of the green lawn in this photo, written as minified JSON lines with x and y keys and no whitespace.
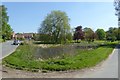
{"x":23,"y":59}
{"x":1,"y":40}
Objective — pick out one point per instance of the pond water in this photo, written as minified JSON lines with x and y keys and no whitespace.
{"x":60,"y":51}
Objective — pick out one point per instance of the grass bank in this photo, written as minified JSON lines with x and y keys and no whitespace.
{"x":23,"y":58}
{"x":1,"y":40}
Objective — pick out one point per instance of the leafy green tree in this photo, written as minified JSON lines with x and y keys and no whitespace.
{"x":111,"y":34}
{"x":0,"y":22}
{"x":8,"y":32}
{"x":89,"y":34}
{"x":5,"y":28}
{"x":56,"y":25}
{"x":100,"y":34}
{"x":116,"y":32}
{"x":118,"y":35}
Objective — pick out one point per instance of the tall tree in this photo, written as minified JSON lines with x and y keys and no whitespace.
{"x":0,"y":21}
{"x":78,"y":33}
{"x":117,"y":8}
{"x":118,"y":37}
{"x":112,"y":34}
{"x":5,"y":27}
{"x":89,"y":34}
{"x":56,"y":25}
{"x":100,"y":34}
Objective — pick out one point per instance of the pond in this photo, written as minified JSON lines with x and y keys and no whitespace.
{"x":61,"y":50}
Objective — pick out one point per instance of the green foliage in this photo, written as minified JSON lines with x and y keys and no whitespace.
{"x":5,"y":28}
{"x":45,"y":38}
{"x":89,"y":34}
{"x":112,"y":34}
{"x":100,"y":34}
{"x":55,"y":28}
{"x":41,"y":42}
{"x":1,"y":40}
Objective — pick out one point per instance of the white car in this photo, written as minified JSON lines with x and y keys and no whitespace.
{"x":16,"y":42}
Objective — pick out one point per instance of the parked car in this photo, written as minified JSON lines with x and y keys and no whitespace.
{"x":16,"y":42}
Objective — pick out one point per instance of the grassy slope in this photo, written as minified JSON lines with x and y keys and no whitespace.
{"x":1,"y":40}
{"x":22,"y":59}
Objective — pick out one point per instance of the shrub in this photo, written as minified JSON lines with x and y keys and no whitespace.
{"x":24,"y":43}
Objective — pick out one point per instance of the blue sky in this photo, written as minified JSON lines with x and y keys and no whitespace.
{"x":27,"y":16}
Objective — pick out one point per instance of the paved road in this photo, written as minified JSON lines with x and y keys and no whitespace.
{"x":7,"y":48}
{"x":106,"y":69}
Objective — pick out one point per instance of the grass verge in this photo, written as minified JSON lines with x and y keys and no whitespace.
{"x":23,"y":59}
{"x":1,"y":40}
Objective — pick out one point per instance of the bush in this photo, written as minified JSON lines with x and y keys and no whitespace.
{"x":39,"y":42}
{"x":21,"y":39}
{"x":24,"y":43}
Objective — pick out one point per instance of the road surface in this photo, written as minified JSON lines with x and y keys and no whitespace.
{"x":6,"y":48}
{"x":106,"y":69}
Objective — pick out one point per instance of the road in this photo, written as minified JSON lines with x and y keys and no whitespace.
{"x":6,"y":48}
{"x":106,"y":69}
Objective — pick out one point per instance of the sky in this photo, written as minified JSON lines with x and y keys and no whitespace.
{"x":27,"y":16}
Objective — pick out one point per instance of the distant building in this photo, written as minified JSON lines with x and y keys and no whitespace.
{"x":19,"y":36}
{"x":23,"y":35}
{"x":28,"y":35}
